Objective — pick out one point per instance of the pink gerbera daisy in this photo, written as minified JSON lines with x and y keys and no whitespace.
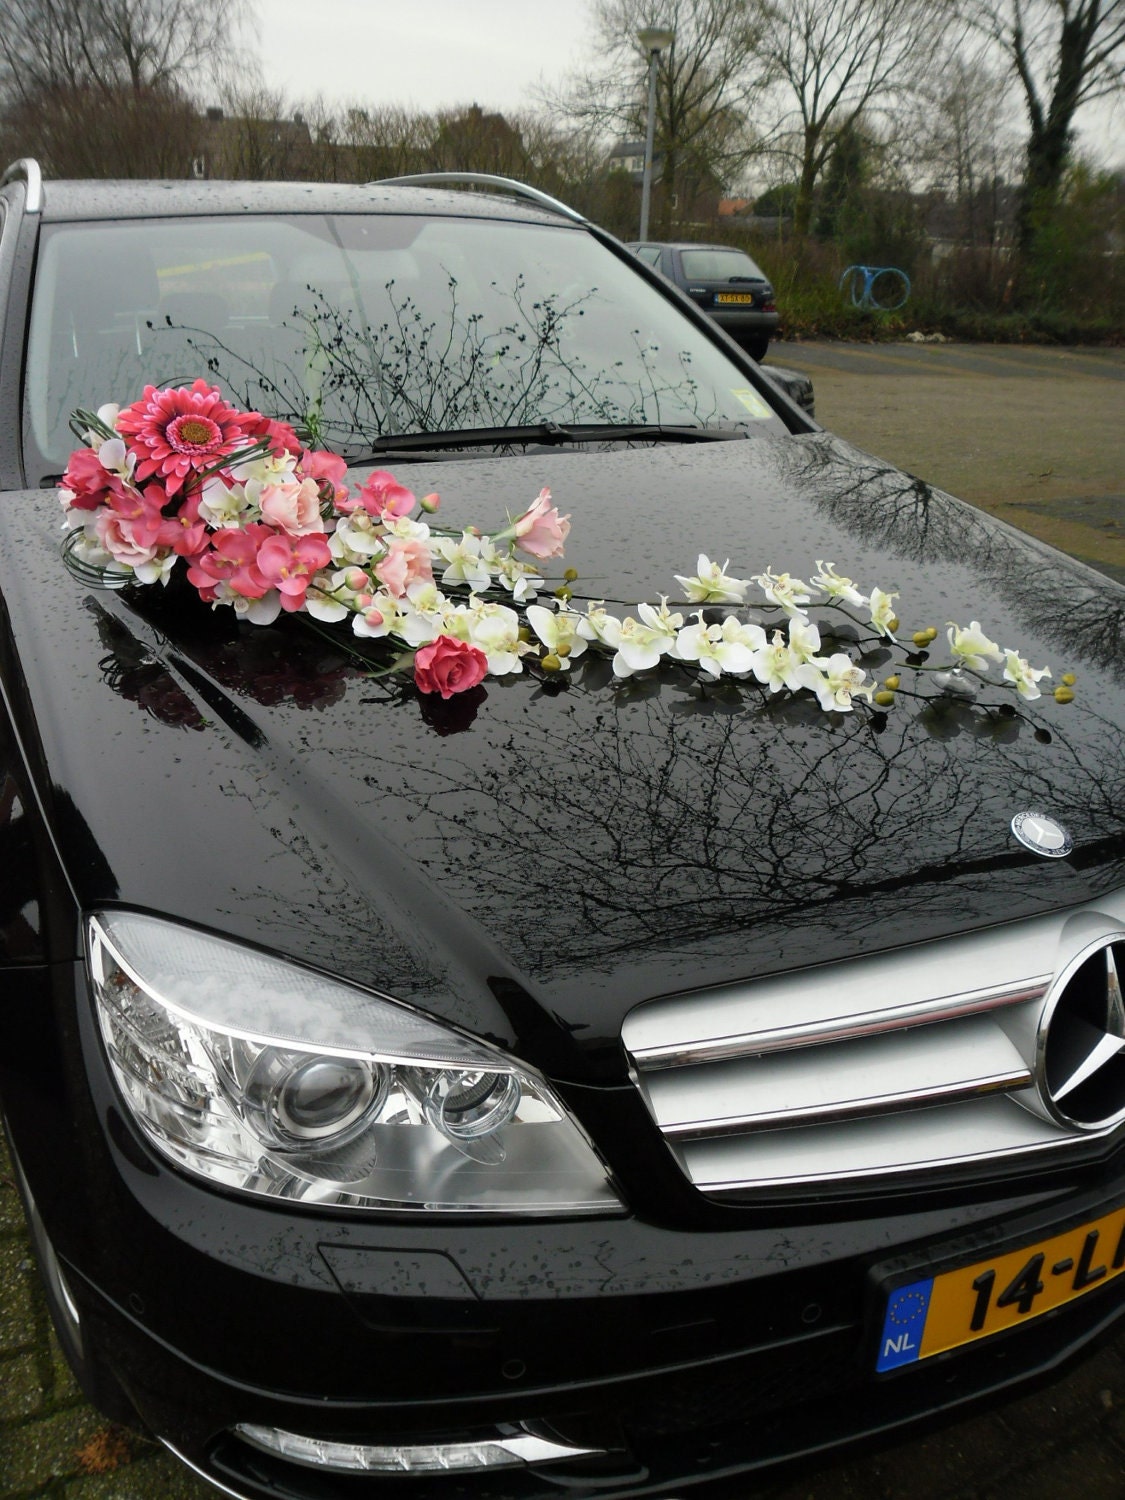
{"x":177,"y":433}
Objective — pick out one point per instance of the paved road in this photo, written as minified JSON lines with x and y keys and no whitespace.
{"x":1037,"y":436}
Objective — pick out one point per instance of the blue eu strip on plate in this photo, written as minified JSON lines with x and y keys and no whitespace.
{"x":901,"y":1339}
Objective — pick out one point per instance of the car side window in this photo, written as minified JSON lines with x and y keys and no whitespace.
{"x":650,"y":254}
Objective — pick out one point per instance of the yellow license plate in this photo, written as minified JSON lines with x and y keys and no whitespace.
{"x":942,"y":1312}
{"x":734,"y":297}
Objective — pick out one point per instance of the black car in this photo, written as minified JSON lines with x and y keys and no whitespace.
{"x":466,"y":1032}
{"x":725,"y":282}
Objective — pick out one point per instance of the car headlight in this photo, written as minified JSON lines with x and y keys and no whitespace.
{"x":269,"y":1078}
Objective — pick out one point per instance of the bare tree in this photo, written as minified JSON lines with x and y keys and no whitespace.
{"x":831,"y":61}
{"x":1064,"y":54}
{"x":110,"y":44}
{"x":103,"y":87}
{"x":704,"y":81}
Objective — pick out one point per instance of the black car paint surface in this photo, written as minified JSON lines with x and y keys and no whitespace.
{"x":530,"y":863}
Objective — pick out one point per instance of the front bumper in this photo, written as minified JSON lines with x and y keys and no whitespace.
{"x":682,"y":1353}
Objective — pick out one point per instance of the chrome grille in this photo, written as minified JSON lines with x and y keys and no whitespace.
{"x":920,"y":1060}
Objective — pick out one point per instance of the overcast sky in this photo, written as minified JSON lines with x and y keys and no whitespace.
{"x":432,"y":54}
{"x":428,"y":54}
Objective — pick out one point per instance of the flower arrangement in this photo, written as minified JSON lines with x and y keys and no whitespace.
{"x":267,"y":527}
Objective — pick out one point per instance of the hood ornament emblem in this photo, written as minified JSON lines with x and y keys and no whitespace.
{"x":1042,"y":835}
{"x":1081,"y":1042}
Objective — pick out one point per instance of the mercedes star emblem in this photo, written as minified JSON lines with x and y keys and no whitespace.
{"x":1082,"y":1040}
{"x":1042,"y":834}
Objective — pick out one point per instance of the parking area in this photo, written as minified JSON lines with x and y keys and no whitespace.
{"x":1034,"y":436}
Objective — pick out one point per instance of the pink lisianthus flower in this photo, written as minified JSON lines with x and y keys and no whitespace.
{"x":407,"y":561}
{"x":119,"y":536}
{"x":329,"y":469}
{"x":541,"y":530}
{"x":279,"y":435}
{"x":449,"y":666}
{"x":178,"y":433}
{"x":288,"y":563}
{"x":88,"y":482}
{"x":293,"y":507}
{"x":232,"y":558}
{"x":382,"y":495}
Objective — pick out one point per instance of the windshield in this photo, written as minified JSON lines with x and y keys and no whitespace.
{"x":362,"y":326}
{"x":719,"y":265}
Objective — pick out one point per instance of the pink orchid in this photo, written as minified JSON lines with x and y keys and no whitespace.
{"x":232,"y":558}
{"x":382,"y":495}
{"x":293,"y":507}
{"x":541,"y":530}
{"x":288,"y":563}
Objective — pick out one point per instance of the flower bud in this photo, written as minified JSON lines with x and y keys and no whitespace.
{"x":893,"y":623}
{"x":562,"y":650}
{"x":921,"y":638}
{"x":430,"y":503}
{"x":564,"y":594}
{"x":884,"y":698}
{"x":570,"y":574}
{"x":892,"y":682}
{"x":550,"y":663}
{"x":1064,"y":695}
{"x":1069,"y":679}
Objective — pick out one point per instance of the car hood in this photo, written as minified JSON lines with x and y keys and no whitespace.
{"x":534,"y":858}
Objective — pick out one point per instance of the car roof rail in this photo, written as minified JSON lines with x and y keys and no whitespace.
{"x":487,"y":180}
{"x":27,"y":170}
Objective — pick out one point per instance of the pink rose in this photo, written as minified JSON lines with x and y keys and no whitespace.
{"x":293,"y":507}
{"x":541,"y":530}
{"x":449,"y":666}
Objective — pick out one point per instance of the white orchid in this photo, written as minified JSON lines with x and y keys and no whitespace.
{"x":639,"y":646}
{"x":784,"y":590}
{"x":804,"y":638}
{"x":728,"y":646}
{"x":358,"y":538}
{"x":883,"y":615}
{"x":225,"y":506}
{"x":712,"y":584}
{"x":776,"y":665}
{"x":1024,"y":677}
{"x":599,"y":625}
{"x":495,"y":630}
{"x":971,"y":647}
{"x":836,"y":682}
{"x":835,"y":586}
{"x":558,"y":629}
{"x":464,"y":562}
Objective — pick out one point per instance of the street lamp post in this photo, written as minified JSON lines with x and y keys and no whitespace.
{"x":653,"y":39}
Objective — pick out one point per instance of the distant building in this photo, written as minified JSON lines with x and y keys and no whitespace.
{"x":629,"y":156}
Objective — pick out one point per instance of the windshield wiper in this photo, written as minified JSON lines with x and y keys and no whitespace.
{"x":547,"y":434}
